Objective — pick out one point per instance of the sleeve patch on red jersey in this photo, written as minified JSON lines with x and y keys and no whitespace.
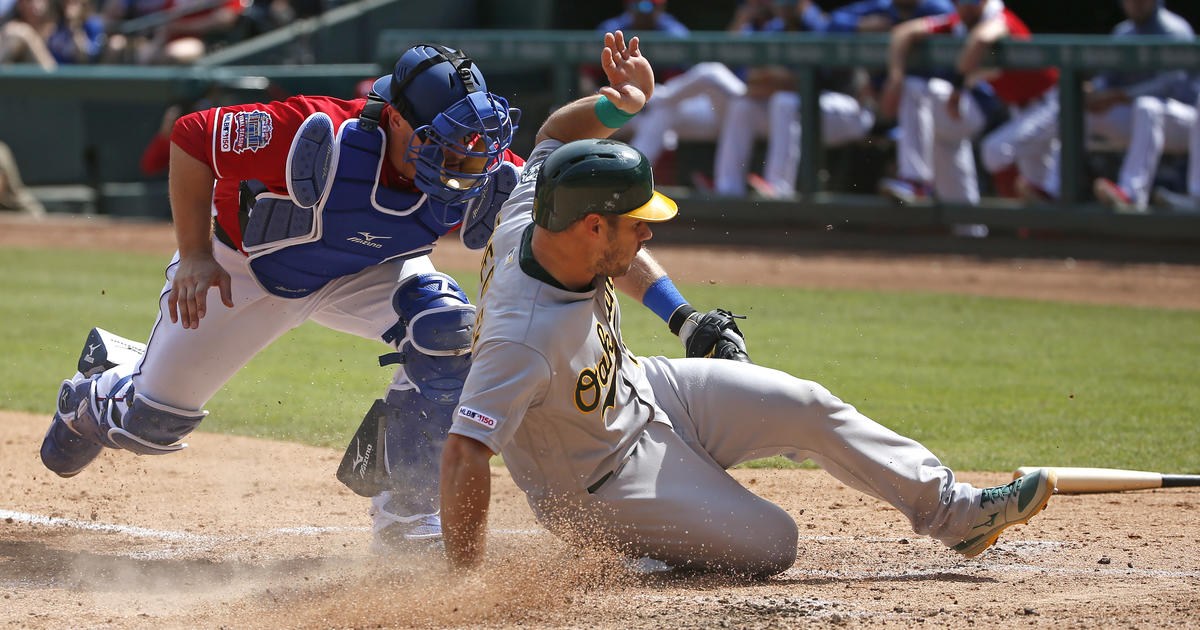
{"x":246,"y":131}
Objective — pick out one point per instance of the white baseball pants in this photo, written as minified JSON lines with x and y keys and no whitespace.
{"x":778,"y":120}
{"x":689,"y":106}
{"x":1029,"y":139}
{"x":1147,"y":128}
{"x":935,"y":147}
{"x":186,"y":367}
{"x":1158,"y":125}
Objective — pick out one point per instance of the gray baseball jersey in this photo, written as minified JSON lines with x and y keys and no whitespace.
{"x":558,"y":392}
{"x":631,"y":452}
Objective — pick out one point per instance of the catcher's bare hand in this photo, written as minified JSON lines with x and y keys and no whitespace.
{"x":713,"y":335}
{"x":188,"y":299}
{"x":630,"y":77}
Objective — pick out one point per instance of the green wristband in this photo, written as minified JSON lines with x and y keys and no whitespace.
{"x":609,"y":115}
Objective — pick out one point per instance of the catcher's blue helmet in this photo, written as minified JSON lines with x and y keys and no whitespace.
{"x":442,"y":95}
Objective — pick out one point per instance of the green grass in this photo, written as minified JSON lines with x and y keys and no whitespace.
{"x":987,"y":384}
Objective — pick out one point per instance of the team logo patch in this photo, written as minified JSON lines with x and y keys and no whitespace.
{"x":471,"y":414}
{"x":251,"y":131}
{"x":530,"y":173}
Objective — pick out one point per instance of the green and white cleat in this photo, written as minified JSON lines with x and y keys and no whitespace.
{"x":1001,"y":507}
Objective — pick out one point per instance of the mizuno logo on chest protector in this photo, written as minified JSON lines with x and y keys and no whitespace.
{"x":366,"y":238}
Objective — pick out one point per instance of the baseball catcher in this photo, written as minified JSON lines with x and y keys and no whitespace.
{"x":325,"y":210}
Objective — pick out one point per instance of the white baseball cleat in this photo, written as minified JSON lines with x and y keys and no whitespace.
{"x":415,"y":533}
{"x":905,"y":192}
{"x":1001,"y":507}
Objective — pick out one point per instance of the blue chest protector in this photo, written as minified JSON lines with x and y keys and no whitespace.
{"x":351,"y":222}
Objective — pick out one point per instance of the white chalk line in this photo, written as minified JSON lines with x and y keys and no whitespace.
{"x":312,"y":530}
{"x":981,"y":569}
{"x":189,"y":537}
{"x":202,"y":540}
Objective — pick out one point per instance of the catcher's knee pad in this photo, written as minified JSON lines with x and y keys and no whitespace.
{"x":433,"y":336}
{"x":415,"y":431}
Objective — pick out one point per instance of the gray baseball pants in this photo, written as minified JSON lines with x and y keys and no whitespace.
{"x":673,"y":500}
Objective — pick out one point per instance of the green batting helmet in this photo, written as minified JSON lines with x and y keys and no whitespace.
{"x":597,"y":176}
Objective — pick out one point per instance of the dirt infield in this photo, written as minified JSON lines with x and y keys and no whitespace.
{"x":243,"y":533}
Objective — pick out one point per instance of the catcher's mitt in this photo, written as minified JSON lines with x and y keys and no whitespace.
{"x":713,"y":335}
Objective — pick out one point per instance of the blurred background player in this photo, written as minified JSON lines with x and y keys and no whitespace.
{"x":643,"y":16}
{"x":324,"y":210}
{"x":1189,"y":201}
{"x":691,"y":104}
{"x":1149,"y":112}
{"x":844,"y":114}
{"x":14,"y":195}
{"x":938,"y":118}
{"x":879,"y":16}
{"x":770,"y":109}
{"x":23,"y":36}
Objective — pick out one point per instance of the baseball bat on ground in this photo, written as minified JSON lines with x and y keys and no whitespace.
{"x":1086,"y":480}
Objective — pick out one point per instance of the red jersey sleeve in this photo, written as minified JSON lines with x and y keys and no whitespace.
{"x":252,"y":141}
{"x":188,"y":133}
{"x":157,"y":155}
{"x":941,"y":24}
{"x":509,"y":156}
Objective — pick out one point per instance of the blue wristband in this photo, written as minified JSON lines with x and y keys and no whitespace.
{"x":609,"y":115}
{"x":662,"y":298}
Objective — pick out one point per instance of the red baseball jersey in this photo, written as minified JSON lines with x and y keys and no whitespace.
{"x":252,"y":141}
{"x":1015,"y":87}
